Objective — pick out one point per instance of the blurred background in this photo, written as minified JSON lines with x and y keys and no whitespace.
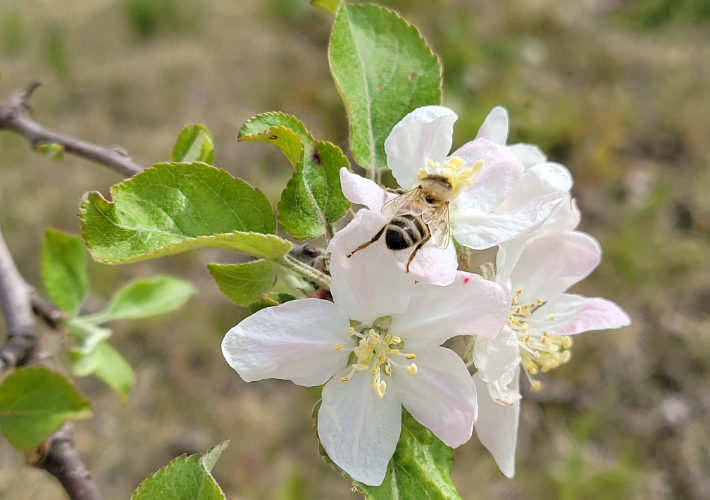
{"x":617,"y":90}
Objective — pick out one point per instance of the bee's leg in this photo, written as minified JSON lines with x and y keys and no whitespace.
{"x":411,"y":257}
{"x":393,"y":191}
{"x":365,"y":245}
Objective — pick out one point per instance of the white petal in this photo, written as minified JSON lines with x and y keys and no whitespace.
{"x":550,"y":265}
{"x":577,"y":314}
{"x":478,"y":230}
{"x":542,"y":179}
{"x":358,"y":430}
{"x":565,"y":217}
{"x":497,"y":427}
{"x":494,"y":357}
{"x":468,"y":306}
{"x":499,"y":175}
{"x":495,"y":126}
{"x":431,"y":264}
{"x":363,"y":191}
{"x":441,"y":395}
{"x":293,"y":341}
{"x":370,"y":284}
{"x":425,"y":133}
{"x":528,"y":154}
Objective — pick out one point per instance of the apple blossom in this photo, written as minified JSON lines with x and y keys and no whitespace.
{"x":377,"y":348}
{"x":483,"y":176}
{"x":536,"y":336}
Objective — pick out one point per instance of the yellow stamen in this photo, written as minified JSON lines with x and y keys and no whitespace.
{"x":345,"y":379}
{"x":410,"y":356}
{"x":337,"y":347}
{"x":411,"y":369}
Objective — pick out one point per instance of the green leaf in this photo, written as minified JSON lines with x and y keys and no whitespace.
{"x":244,"y":283}
{"x":260,"y":123}
{"x":383,"y":69}
{"x":173,"y":207}
{"x":270,"y":300}
{"x":420,"y":468}
{"x":107,"y":364}
{"x":34,"y":403}
{"x":313,"y":199}
{"x":194,"y":143}
{"x":64,"y":270}
{"x":145,"y":297}
{"x":52,"y":150}
{"x":185,"y":478}
{"x":86,"y":333}
{"x":283,"y":138}
{"x":329,"y":5}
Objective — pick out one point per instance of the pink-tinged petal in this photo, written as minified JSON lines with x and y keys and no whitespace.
{"x":478,"y":230}
{"x":564,"y":217}
{"x":358,"y":430}
{"x":500,"y":173}
{"x":576,"y":314}
{"x":540,"y":180}
{"x":548,"y":266}
{"x":293,"y":341}
{"x":495,"y":126}
{"x":363,"y":191}
{"x":468,"y":306}
{"x":528,"y":154}
{"x":441,"y":395}
{"x":431,"y":264}
{"x":502,"y":391}
{"x":425,"y":133}
{"x":493,"y":357}
{"x":370,"y":284}
{"x":497,"y":427}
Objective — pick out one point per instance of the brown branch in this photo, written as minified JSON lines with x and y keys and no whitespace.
{"x":59,"y":457}
{"x":15,"y":303}
{"x":57,"y":454}
{"x":14,"y":116}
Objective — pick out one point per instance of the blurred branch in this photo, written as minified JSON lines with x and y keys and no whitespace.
{"x":57,"y":455}
{"x":14,"y":115}
{"x":16,"y":308}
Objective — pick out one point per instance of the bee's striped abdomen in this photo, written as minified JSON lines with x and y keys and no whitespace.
{"x":405,"y":231}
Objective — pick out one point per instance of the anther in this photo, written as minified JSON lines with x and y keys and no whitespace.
{"x":539,"y":301}
{"x":394,"y":351}
{"x":565,"y":356}
{"x":337,"y":347}
{"x":380,"y":389}
{"x":396,"y":340}
{"x":410,"y":356}
{"x":345,"y":379}
{"x":566,"y":341}
{"x":382,"y":358}
{"x":351,"y":331}
{"x":552,"y":317}
{"x":519,"y":292}
{"x":535,"y":385}
{"x":411,"y":369}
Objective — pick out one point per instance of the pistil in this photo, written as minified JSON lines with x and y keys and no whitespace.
{"x":375,"y":352}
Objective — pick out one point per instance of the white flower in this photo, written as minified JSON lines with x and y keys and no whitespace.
{"x":377,"y":345}
{"x":495,"y":129}
{"x":491,"y":203}
{"x":536,"y":336}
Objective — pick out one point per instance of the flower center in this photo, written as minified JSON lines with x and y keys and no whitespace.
{"x":459,"y":178}
{"x":377,"y":352}
{"x":539,"y":352}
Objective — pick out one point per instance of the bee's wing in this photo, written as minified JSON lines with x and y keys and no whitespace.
{"x":412,"y":202}
{"x":437,"y":219}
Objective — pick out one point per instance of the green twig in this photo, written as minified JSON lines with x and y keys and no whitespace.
{"x":321,"y":280}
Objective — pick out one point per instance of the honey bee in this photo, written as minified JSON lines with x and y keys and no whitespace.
{"x":418,"y":215}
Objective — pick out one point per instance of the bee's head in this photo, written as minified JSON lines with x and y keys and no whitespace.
{"x":451,"y":177}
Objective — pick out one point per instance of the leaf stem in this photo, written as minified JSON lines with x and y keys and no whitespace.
{"x":320,"y":279}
